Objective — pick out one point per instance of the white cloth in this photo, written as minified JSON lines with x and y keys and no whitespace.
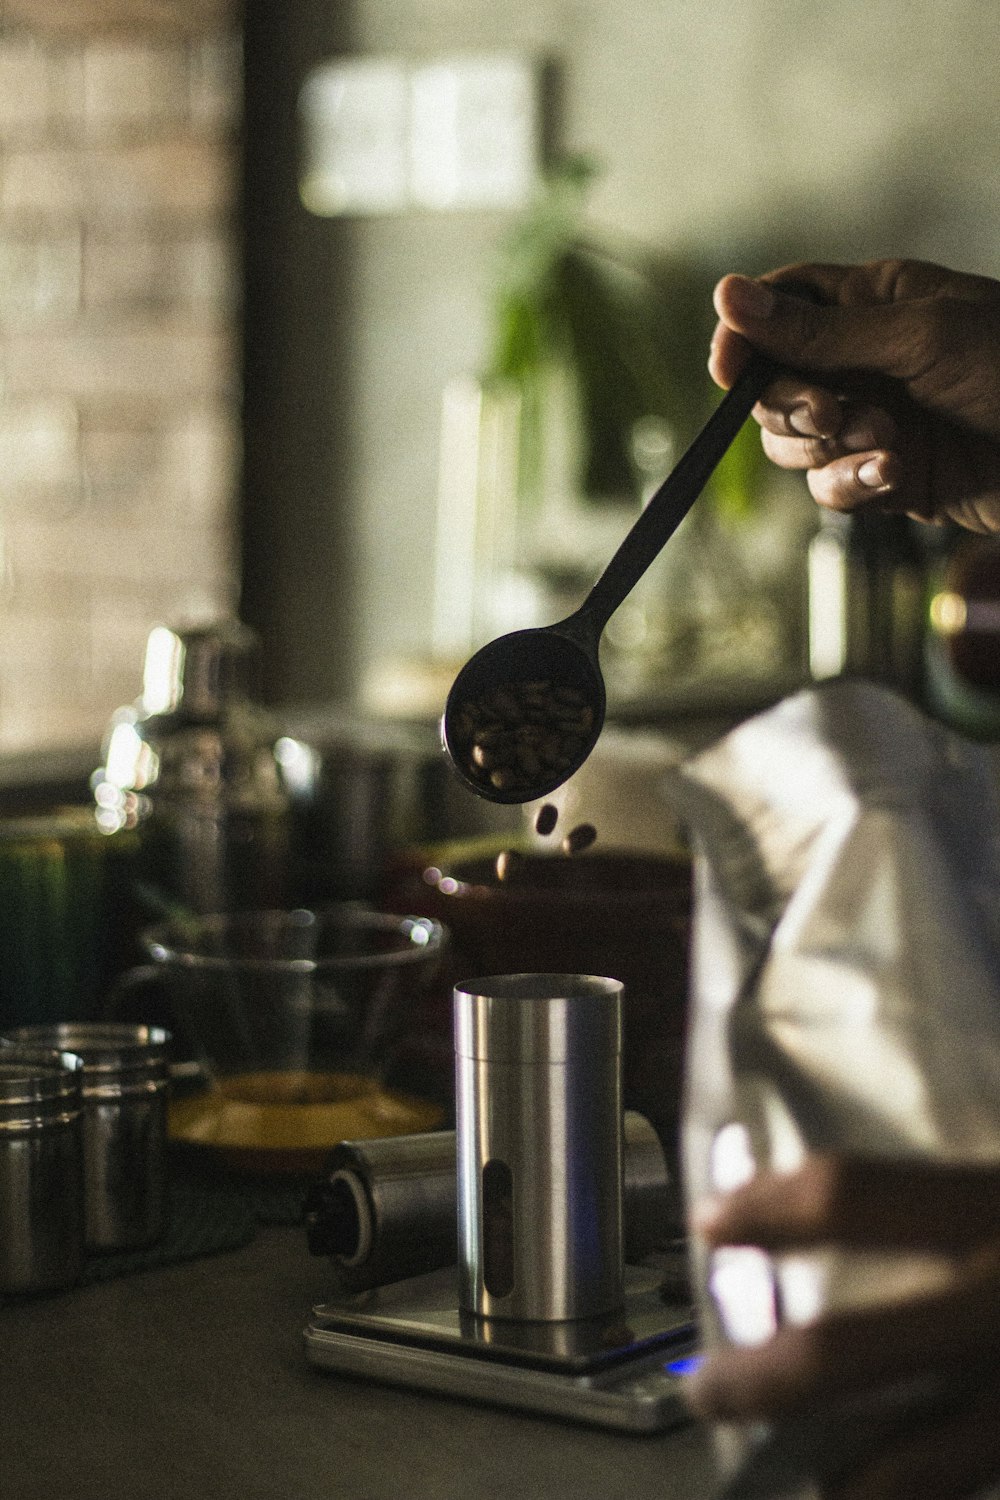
{"x":845,"y":972}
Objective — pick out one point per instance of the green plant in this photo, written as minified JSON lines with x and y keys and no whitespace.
{"x":631,"y":334}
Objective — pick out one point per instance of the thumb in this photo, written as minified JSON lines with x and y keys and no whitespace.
{"x":877,"y":337}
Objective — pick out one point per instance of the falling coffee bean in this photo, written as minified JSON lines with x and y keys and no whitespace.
{"x":507,"y":862}
{"x":579,"y":838}
{"x":546,"y":819}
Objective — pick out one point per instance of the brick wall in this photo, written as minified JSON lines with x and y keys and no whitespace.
{"x":119,"y":416}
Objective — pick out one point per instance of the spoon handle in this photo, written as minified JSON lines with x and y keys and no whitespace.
{"x":667,"y":508}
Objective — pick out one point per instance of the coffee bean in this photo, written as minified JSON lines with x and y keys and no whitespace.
{"x":507,"y":862}
{"x":579,"y":838}
{"x":546,"y":819}
{"x":528,"y":761}
{"x":504,"y":778}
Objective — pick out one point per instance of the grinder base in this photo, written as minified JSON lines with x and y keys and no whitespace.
{"x":621,"y":1371}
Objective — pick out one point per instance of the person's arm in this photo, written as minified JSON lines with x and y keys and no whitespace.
{"x":954,"y":1210}
{"x":893,"y":393}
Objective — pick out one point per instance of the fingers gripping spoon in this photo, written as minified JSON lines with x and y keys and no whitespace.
{"x":526,"y":710}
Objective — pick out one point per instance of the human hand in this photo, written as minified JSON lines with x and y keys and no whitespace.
{"x":952,"y":1334}
{"x":893,"y":395}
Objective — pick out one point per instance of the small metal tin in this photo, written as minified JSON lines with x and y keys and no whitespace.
{"x":124,"y":1087}
{"x":41,"y":1170}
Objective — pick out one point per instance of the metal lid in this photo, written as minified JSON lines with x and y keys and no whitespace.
{"x":115,"y":1056}
{"x":538,"y":1018}
{"x":37,"y":1085}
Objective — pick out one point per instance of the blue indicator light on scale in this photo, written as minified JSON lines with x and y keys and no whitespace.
{"x":685,"y":1365}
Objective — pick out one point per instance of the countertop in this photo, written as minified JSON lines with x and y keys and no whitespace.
{"x":190,"y":1381}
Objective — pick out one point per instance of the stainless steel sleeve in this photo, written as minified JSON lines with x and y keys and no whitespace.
{"x":539,"y":1146}
{"x":387,"y":1208}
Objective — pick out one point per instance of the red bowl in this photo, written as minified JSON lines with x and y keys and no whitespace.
{"x":616,"y":913}
{"x":966,"y":613}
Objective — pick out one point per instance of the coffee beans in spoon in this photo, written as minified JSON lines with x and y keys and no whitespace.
{"x":512,"y":736}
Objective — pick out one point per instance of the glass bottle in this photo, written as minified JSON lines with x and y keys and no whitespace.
{"x":867,"y":580}
{"x":192,"y":766}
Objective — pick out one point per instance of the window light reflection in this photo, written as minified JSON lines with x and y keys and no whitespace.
{"x":163,"y":671}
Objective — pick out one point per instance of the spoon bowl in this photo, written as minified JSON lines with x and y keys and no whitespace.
{"x":542,"y":692}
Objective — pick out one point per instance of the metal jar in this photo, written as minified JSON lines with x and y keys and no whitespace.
{"x":41,"y":1170}
{"x":124,"y":1086}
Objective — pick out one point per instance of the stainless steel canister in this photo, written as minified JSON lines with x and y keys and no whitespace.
{"x":539,"y":1145}
{"x":41,"y":1170}
{"x":124,"y":1092}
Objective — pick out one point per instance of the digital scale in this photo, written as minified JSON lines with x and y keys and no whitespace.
{"x":539,"y":1314}
{"x":621,"y":1371}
